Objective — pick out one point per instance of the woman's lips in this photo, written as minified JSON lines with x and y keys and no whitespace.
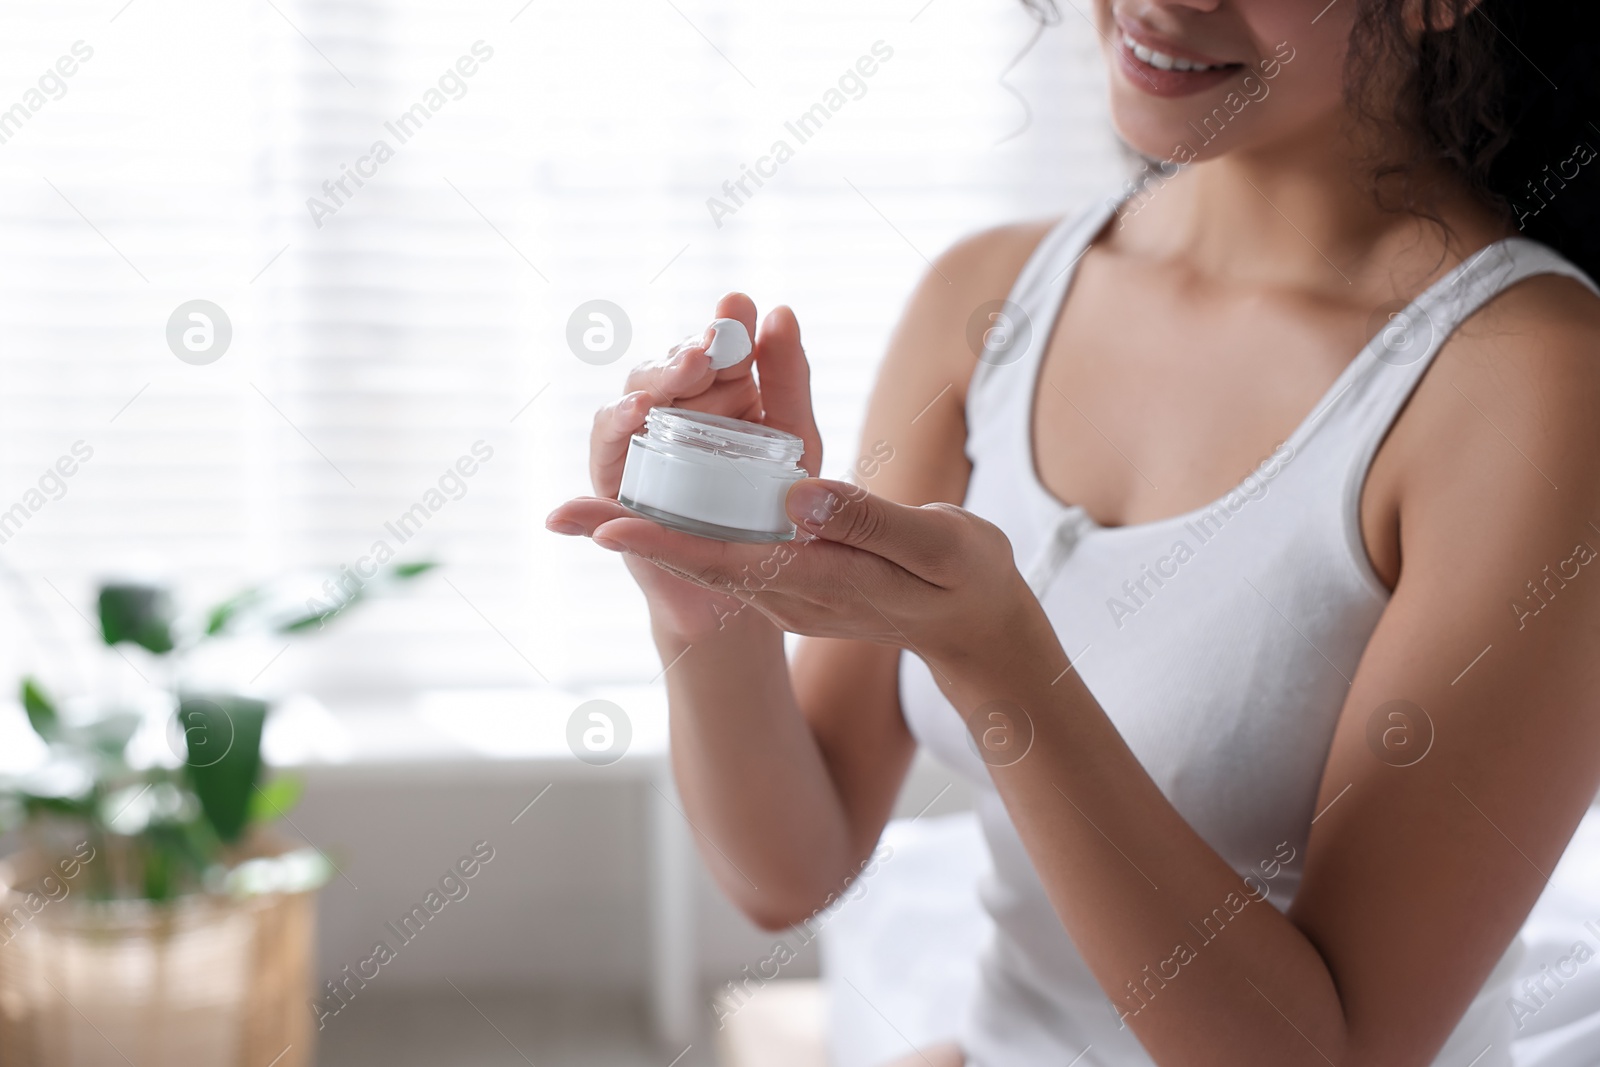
{"x":1163,"y":74}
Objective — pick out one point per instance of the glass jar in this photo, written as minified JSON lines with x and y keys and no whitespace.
{"x":711,"y":475}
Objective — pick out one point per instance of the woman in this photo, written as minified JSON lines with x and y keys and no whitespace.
{"x":1271,"y":579}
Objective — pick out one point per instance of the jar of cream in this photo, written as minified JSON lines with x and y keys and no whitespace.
{"x":712,"y":475}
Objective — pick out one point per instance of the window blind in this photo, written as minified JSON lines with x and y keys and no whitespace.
{"x":398,"y":205}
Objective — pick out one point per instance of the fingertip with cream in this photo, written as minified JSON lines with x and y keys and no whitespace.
{"x":730,"y":344}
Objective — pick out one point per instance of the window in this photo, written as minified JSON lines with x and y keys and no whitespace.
{"x":384,"y":325}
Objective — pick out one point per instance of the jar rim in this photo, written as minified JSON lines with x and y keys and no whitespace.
{"x":723,"y":435}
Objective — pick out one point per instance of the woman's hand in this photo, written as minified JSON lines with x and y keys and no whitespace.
{"x":936,"y":579}
{"x":684,"y":378}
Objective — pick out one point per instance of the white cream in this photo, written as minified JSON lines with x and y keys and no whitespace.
{"x":730,"y":343}
{"x":712,"y":475}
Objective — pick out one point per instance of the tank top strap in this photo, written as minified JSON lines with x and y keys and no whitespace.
{"x":1364,"y":402}
{"x":1009,"y":337}
{"x":1345,"y":427}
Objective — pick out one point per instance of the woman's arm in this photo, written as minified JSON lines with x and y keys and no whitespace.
{"x":912,"y":451}
{"x":1416,"y":878}
{"x":788,"y":774}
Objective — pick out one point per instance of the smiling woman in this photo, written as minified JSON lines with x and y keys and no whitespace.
{"x":1132,"y":770}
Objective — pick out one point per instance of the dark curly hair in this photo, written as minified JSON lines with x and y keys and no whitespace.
{"x":1505,"y":94}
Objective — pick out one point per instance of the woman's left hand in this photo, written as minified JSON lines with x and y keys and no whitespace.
{"x":934,"y":579}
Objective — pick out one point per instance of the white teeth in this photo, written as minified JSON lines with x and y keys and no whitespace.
{"x":1160,"y":60}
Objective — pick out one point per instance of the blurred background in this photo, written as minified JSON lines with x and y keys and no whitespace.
{"x":305,"y":306}
{"x":364,"y":340}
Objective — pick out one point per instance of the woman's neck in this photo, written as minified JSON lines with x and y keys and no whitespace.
{"x":1304,"y":215}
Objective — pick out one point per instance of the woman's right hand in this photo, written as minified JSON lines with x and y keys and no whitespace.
{"x":684,"y":378}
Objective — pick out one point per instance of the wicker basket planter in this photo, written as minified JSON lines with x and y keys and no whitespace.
{"x":178,"y":931}
{"x":203,"y":981}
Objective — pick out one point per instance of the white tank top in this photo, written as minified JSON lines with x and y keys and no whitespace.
{"x":1220,"y":642}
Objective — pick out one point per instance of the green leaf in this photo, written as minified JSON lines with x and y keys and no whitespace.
{"x":222,"y":734}
{"x":277,"y":798}
{"x":36,"y":804}
{"x":316,"y":620}
{"x":41,"y":710}
{"x":319,"y":614}
{"x":220,"y":617}
{"x":174,"y":856}
{"x":161,"y":856}
{"x":138,"y":613}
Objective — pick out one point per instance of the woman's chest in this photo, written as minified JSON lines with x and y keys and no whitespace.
{"x":1220,"y":644}
{"x":1157,"y":392}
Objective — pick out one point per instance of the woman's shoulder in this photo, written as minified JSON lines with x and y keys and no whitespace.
{"x":992,"y":258}
{"x":975,"y":272}
{"x":1543,"y":330}
{"x":1507,"y":414}
{"x":988,"y":263}
{"x":917,"y":409}
{"x":961,"y":283}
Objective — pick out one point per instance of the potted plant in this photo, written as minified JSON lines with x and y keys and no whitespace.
{"x":153,"y":915}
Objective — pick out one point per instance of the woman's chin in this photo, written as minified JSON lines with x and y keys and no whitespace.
{"x":1154,"y":137}
{"x":1162,"y":132}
